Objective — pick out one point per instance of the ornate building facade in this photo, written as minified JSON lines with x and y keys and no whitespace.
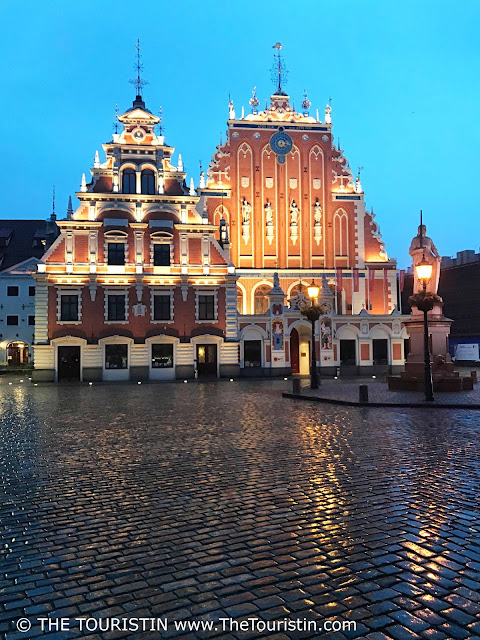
{"x":285,"y":201}
{"x":136,"y":286}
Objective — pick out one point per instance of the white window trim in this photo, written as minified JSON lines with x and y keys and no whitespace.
{"x":115,"y":237}
{"x":69,"y":292}
{"x":115,"y":292}
{"x":206,"y":292}
{"x":164,"y":292}
{"x":161,"y":237}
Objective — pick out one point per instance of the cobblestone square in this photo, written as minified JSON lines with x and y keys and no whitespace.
{"x":202,"y":501}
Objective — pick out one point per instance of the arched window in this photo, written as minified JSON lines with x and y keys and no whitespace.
{"x":128,"y":181}
{"x":148,"y":182}
{"x":261,"y":300}
{"x":239,"y":300}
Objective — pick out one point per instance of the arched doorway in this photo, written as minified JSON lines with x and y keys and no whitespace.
{"x":17,"y":354}
{"x":300,"y":337}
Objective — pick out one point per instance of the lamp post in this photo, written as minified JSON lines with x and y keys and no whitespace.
{"x":424,"y":273}
{"x":313,"y":313}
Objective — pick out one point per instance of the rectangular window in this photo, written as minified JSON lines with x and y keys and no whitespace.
{"x":69,"y":308}
{"x":116,"y":308}
{"x":380,"y":351}
{"x":161,"y":255}
{"x":116,"y":253}
{"x":31,"y":320}
{"x":252,"y":353}
{"x":206,"y":307}
{"x":31,"y":291}
{"x":161,"y":307}
{"x":116,"y":356}
{"x":162,"y":356}
{"x":11,"y":320}
{"x":12,"y":291}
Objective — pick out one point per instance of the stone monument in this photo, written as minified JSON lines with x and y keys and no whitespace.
{"x":422,"y":249}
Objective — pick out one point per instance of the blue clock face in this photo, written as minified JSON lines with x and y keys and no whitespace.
{"x":281,"y":144}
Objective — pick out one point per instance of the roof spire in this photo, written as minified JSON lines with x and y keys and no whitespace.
{"x":138,"y":82}
{"x":115,"y":125}
{"x":96,"y":162}
{"x":279,"y":71}
{"x":160,"y":122}
{"x":53,"y":216}
{"x":69,"y":208}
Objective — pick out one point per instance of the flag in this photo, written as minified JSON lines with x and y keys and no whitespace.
{"x":401,"y":279}
{"x":339,"y":280}
{"x":355,"y":280}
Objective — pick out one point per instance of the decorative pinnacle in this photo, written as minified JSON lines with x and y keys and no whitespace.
{"x":279,"y":71}
{"x":254,"y":102}
{"x":138,"y":82}
{"x":53,"y":201}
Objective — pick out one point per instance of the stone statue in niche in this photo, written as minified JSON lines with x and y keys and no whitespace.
{"x":421,"y":246}
{"x":294,"y":212}
{"x":246,"y":211}
{"x":317,"y":212}
{"x":268,"y":213}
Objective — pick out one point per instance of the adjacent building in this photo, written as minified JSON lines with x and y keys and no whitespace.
{"x":22,"y":244}
{"x":136,"y":286}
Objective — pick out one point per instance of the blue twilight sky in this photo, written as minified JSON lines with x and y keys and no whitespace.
{"x":403,"y":77}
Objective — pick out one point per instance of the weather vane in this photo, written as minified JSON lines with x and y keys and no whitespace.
{"x":360,"y":169}
{"x":138,"y":82}
{"x":279,"y":70}
{"x":53,"y":201}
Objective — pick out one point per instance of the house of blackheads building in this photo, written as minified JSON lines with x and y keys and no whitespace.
{"x":152,"y":278}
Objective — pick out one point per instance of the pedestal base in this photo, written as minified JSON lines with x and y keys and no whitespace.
{"x":443,"y":376}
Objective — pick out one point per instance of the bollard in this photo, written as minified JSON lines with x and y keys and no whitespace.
{"x":296,"y":385}
{"x":363,"y":393}
{"x":473,"y":375}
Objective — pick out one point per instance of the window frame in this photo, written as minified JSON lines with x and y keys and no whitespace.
{"x":168,"y":253}
{"x":12,"y":324}
{"x":161,"y":292}
{"x":199,"y":293}
{"x":10,"y":287}
{"x":116,"y":243}
{"x":149,"y":176}
{"x":107,"y":346}
{"x":69,"y":292}
{"x":30,"y":294}
{"x":122,"y":293}
{"x":130,"y":172}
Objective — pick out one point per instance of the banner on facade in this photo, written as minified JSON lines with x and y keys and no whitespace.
{"x":385,"y":279}
{"x":339,"y":280}
{"x":371,"y":277}
{"x":356,"y":281}
{"x":401,"y":280}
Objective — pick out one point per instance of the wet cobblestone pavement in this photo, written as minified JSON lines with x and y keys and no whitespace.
{"x":196,"y":502}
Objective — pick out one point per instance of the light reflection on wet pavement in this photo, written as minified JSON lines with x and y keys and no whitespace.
{"x":200,"y":501}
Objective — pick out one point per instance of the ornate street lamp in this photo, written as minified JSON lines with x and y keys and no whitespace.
{"x":424,"y":273}
{"x":313,"y":313}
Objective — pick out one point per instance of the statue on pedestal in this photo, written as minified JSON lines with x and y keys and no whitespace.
{"x":420,"y":247}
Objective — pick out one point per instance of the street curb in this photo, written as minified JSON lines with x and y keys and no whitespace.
{"x":401,"y":405}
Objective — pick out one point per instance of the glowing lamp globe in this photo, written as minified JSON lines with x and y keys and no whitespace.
{"x":424,"y":270}
{"x":313,"y":290}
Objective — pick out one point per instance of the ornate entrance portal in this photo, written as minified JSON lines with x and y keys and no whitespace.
{"x":300,"y":350}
